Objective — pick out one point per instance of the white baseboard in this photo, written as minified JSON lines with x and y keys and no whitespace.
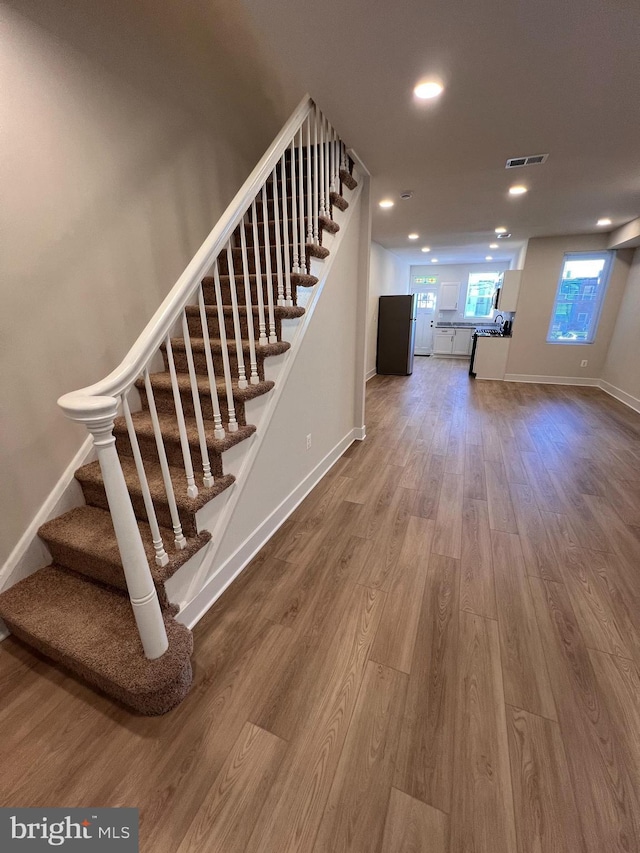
{"x":191,"y":613}
{"x":551,"y":380}
{"x":371,"y":373}
{"x":622,"y":396}
{"x":30,"y":553}
{"x":360,"y":433}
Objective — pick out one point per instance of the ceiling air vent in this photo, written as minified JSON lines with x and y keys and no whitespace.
{"x":534,"y":160}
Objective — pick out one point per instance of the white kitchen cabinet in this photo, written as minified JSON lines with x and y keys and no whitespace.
{"x":443,"y":342}
{"x":449,"y":296}
{"x":510,"y":290}
{"x":462,"y":341}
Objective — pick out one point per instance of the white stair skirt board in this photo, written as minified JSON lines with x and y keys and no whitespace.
{"x":620,"y":395}
{"x":30,"y":553}
{"x":192,"y":612}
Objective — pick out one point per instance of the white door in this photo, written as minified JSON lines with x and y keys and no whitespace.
{"x":425,"y":314}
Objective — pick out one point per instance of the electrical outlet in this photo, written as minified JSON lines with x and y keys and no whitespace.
{"x":309,"y":442}
{"x":584,"y":362}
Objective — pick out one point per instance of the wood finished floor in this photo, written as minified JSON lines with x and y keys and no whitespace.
{"x":439,"y":651}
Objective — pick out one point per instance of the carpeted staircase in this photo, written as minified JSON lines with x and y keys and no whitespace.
{"x":76,"y":611}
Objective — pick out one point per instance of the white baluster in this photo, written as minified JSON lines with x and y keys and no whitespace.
{"x":303,"y":251}
{"x":322,"y":206}
{"x":262,"y":326}
{"x":162,"y":558}
{"x":332,"y":160}
{"x":179,"y":540}
{"x":267,"y":256}
{"x":327,"y":173}
{"x":253,"y":376}
{"x":218,"y":431}
{"x":316,"y":195}
{"x":192,"y":489}
{"x":309,"y":204}
{"x":276,"y":227}
{"x":98,"y":414}
{"x":226,"y":367}
{"x":294,"y":210}
{"x":242,"y":377}
{"x":286,"y":296}
{"x":207,"y":476}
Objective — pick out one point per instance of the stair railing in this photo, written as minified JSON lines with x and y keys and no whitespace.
{"x":298,"y":176}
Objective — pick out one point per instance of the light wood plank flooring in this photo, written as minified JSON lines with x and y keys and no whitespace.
{"x":439,"y":651}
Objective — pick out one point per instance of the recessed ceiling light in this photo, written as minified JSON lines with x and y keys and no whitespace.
{"x":518,"y":189}
{"x":605,"y":221}
{"x":385,"y":203}
{"x":413,"y":236}
{"x":428,"y":89}
{"x":489,"y":258}
{"x":426,"y":248}
{"x":493,"y":245}
{"x":434,"y":260}
{"x":499,"y":230}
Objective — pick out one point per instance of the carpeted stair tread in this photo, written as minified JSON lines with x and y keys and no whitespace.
{"x":84,"y":540}
{"x":90,"y":630}
{"x":339,"y":201}
{"x":169,"y":429}
{"x":91,"y":475}
{"x":162,"y":382}
{"x":264,"y":351}
{"x":347,"y":179}
{"x":320,"y":252}
{"x":280,"y":312}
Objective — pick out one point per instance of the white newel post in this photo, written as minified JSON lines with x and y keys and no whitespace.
{"x":97,"y":414}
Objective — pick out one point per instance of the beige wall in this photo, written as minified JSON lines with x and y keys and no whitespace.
{"x":388,"y":276}
{"x":126,"y":129}
{"x":622,"y":367}
{"x":529,"y":353}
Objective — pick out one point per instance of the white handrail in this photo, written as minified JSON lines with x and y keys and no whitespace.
{"x":157,"y":329}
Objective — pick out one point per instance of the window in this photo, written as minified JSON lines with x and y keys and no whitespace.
{"x":581,"y":289}
{"x":480,"y":292}
{"x":427,"y":301}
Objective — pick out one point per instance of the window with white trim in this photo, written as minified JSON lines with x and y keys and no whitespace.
{"x":480,"y":292}
{"x":578,"y":303}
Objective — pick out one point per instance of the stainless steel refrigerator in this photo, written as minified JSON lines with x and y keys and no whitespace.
{"x":396,"y":334}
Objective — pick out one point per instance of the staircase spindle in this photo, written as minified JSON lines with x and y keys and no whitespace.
{"x":276,"y":226}
{"x":262,"y":326}
{"x":192,"y":489}
{"x":320,"y":118}
{"x":267,"y":257}
{"x":162,"y":558}
{"x":286,"y":296}
{"x":226,"y":366}
{"x":304,"y":263}
{"x":179,"y":540}
{"x":242,"y":377}
{"x":254,"y":379}
{"x":297,"y":268}
{"x":316,"y":194}
{"x":218,"y":430}
{"x":327,"y":173}
{"x":332,"y":161}
{"x":309,"y":187}
{"x":207,"y":476}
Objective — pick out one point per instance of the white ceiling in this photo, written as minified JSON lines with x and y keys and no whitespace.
{"x":522,"y":77}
